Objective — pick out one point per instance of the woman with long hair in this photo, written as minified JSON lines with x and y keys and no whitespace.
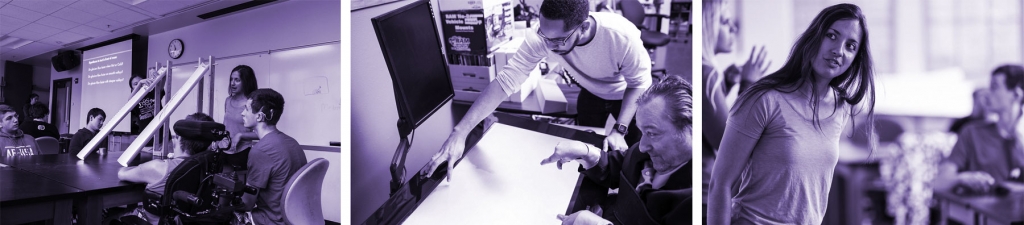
{"x":780,"y":145}
{"x":241,"y":83}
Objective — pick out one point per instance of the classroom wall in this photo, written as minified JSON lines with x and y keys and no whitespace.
{"x":41,"y":83}
{"x":280,"y":25}
{"x":374,"y":116}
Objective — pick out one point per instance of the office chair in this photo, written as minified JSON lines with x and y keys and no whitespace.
{"x":634,"y":12}
{"x":48,"y":145}
{"x":302,"y":194}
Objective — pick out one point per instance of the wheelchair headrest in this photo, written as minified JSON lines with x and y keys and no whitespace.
{"x":200,"y":130}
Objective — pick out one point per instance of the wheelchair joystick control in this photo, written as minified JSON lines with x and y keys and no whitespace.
{"x":186,"y":197}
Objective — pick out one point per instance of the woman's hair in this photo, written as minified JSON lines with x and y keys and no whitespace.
{"x":248,"y":77}
{"x":191,"y":146}
{"x":711,"y":16}
{"x":856,"y":84}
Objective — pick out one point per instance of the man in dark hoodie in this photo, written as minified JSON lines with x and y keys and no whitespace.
{"x":94,"y":120}
{"x":12,"y":141}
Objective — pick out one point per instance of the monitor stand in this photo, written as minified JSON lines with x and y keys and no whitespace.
{"x":398,"y":161}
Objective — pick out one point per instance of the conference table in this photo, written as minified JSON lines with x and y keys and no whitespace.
{"x":499,"y":180}
{"x":979,"y":209}
{"x":45,"y":187}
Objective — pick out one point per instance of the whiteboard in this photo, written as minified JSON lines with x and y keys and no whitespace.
{"x":307,"y":77}
{"x":309,"y":80}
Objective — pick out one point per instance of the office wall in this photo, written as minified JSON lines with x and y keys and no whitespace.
{"x":374,"y":116}
{"x":41,"y":83}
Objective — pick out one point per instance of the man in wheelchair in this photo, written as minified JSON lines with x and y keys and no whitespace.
{"x":182,"y":189}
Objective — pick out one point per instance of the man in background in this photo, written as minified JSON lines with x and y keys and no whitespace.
{"x":987,"y":153}
{"x":94,"y":121}
{"x":13,"y":141}
{"x":37,"y":126}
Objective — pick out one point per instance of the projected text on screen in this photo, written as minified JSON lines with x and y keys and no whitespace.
{"x":106,"y":72}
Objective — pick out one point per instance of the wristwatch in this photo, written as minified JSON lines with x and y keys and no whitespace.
{"x":621,"y":128}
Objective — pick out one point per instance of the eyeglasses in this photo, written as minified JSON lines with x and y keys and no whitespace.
{"x":558,"y":41}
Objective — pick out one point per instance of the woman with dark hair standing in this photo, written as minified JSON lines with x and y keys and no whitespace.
{"x":780,"y":145}
{"x":241,"y":83}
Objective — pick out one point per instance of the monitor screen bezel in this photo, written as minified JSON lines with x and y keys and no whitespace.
{"x":401,"y":100}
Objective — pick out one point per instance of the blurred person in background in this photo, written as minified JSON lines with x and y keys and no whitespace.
{"x":989,"y":152}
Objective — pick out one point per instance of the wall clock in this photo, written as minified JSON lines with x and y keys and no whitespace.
{"x":176,"y":48}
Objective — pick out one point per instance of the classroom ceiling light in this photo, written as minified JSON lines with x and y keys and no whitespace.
{"x":13,"y":42}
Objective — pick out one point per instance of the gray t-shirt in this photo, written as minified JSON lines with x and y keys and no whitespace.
{"x":789,"y":173}
{"x":615,"y":59}
{"x":272,"y":161}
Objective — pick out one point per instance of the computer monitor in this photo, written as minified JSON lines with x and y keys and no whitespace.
{"x":419,"y":74}
{"x":412,"y":49}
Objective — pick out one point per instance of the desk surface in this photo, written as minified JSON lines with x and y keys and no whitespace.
{"x":95,"y":173}
{"x":91,"y":183}
{"x":1003,"y":208}
{"x":502,"y":178}
{"x":23,"y":186}
{"x":408,"y":199}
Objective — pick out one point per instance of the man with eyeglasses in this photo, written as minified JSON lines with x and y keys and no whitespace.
{"x":601,"y":51}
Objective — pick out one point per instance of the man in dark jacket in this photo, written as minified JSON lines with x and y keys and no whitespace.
{"x":37,"y":125}
{"x":94,"y":121}
{"x":653,"y":176}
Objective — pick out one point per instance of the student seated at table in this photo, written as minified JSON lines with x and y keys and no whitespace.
{"x":94,"y":120}
{"x":37,"y":126}
{"x":987,"y":153}
{"x":12,"y":140}
{"x":154,"y":173}
{"x":653,"y":176}
{"x":272,"y":160}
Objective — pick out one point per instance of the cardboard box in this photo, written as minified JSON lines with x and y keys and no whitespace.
{"x":485,"y":73}
{"x":466,"y":95}
{"x":475,"y":26}
{"x":550,"y":97}
{"x":527,"y":87}
{"x":469,"y":84}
